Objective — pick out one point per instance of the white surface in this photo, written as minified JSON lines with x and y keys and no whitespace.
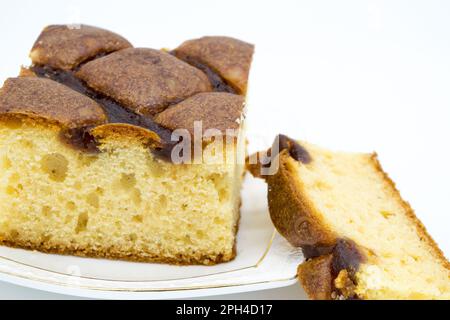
{"x":292,"y":292}
{"x":353,"y":75}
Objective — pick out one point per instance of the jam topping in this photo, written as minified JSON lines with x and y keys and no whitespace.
{"x":156,"y":90}
{"x":218,"y":84}
{"x":282,"y":142}
{"x":296,"y":151}
{"x":115,"y":113}
{"x":216,"y":110}
{"x":346,"y":256}
{"x":313,"y":251}
{"x":143,"y":80}
{"x":80,"y":138}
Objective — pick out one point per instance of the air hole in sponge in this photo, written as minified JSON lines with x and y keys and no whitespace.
{"x":220,"y":184}
{"x":187,"y":240}
{"x":56,"y":166}
{"x":219,"y":221}
{"x":87,"y":160}
{"x":128,"y":181}
{"x":82,"y":222}
{"x":46,"y":211}
{"x":93,"y":200}
{"x":223,"y":194}
{"x":14,"y":178}
{"x":71,"y":206}
{"x":386,"y":214}
{"x":136,"y":196}
{"x":163,"y":201}
{"x":138,"y":218}
{"x":133,"y":237}
{"x":200,"y":234}
{"x":321,"y":185}
{"x":68,"y":219}
{"x":10,"y":190}
{"x":27,"y":144}
{"x":6,"y":162}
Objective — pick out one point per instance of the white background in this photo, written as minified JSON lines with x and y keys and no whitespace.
{"x":351,"y":75}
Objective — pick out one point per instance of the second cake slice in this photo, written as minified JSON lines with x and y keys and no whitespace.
{"x":360,"y":238}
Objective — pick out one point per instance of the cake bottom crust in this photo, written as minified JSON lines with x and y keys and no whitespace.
{"x":116,"y":254}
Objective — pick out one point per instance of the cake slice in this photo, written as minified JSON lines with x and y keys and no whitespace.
{"x":360,"y":239}
{"x":107,"y":150}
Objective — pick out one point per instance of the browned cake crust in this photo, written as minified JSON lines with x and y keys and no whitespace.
{"x":315,"y":277}
{"x":228,"y":57}
{"x":216,"y":110}
{"x":118,"y":254}
{"x":290,"y":211}
{"x":332,"y":261}
{"x":65,"y":47}
{"x":50,"y":100}
{"x":133,"y":86}
{"x":144,"y":80}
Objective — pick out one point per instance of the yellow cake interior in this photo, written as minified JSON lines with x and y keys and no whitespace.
{"x":120,"y":203}
{"x":353,"y":196}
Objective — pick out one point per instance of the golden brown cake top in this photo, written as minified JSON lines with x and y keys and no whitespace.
{"x":203,"y":80}
{"x":66,"y":46}
{"x":216,"y":110}
{"x":51,"y":100}
{"x":144,"y":80}
{"x":228,"y":57}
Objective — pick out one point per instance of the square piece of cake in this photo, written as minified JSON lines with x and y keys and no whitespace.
{"x":107,"y":150}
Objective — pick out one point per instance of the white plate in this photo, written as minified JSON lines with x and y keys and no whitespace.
{"x":264,"y":260}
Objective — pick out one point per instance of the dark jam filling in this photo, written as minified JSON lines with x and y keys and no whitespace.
{"x":312,"y":251}
{"x":94,"y":57}
{"x":80,"y":138}
{"x":346,"y":256}
{"x":296,"y":151}
{"x":217,"y":82}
